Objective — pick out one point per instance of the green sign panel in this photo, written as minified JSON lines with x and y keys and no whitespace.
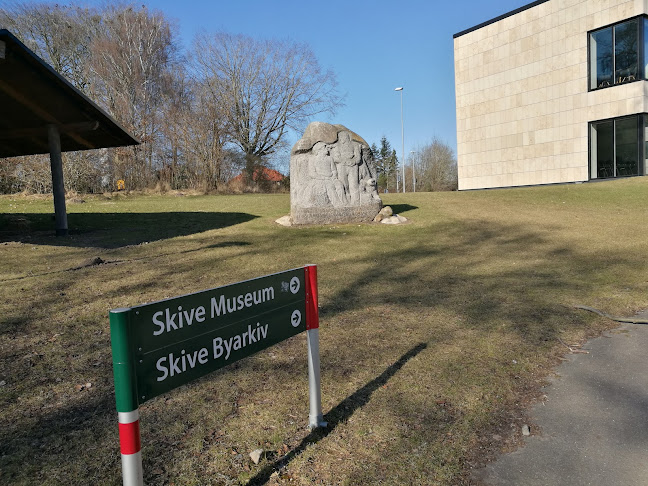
{"x":175,"y":341}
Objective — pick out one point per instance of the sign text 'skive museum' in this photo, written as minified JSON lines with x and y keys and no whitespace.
{"x":553,"y":92}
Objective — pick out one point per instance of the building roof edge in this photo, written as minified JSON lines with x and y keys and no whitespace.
{"x":497,"y":19}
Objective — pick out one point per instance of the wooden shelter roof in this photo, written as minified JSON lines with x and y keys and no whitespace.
{"x":33,"y":96}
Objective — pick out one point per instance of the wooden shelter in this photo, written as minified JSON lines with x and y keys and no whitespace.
{"x":41,"y":112}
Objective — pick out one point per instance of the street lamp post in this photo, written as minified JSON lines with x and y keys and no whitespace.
{"x":402,"y":136}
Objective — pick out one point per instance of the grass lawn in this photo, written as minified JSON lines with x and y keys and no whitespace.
{"x":434,"y":335}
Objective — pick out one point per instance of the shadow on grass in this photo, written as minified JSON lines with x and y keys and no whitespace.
{"x":337,"y":415}
{"x":113,"y":230}
{"x":401,"y":208}
{"x":487,"y":274}
{"x":51,"y":435}
{"x":223,"y":244}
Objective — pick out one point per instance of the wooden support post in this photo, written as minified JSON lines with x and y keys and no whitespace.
{"x":58,"y":187}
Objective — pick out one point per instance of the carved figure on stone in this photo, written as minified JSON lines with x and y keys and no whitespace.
{"x":323,"y":186}
{"x":367,"y":184}
{"x":346,"y":154}
{"x":332,"y":177}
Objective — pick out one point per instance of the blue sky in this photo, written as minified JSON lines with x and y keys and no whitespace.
{"x":373,"y":46}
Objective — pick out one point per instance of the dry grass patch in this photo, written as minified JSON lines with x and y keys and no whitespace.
{"x":434,"y":335}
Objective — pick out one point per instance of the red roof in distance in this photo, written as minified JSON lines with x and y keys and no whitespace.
{"x":268,"y":175}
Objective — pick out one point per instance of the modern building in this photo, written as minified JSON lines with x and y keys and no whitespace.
{"x":553,"y":92}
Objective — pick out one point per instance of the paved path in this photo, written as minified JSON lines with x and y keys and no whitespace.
{"x":594,"y":422}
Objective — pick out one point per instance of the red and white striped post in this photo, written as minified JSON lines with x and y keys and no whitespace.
{"x":315,"y":418}
{"x":131,"y":448}
{"x":126,"y":398}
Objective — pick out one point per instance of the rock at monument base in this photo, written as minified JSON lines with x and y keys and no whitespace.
{"x":284,"y":221}
{"x":387,"y":216}
{"x":395,"y":219}
{"x":332,"y":178}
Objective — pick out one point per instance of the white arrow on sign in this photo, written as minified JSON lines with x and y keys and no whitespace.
{"x":295,"y":319}
{"x":294,"y":285}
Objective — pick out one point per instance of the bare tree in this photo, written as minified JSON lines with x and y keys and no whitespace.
{"x":198,"y":130}
{"x":60,"y":35}
{"x":194,"y":132}
{"x":206,"y":139}
{"x":436,"y":167}
{"x":177,"y":100}
{"x":57,"y":33}
{"x":263,"y":89}
{"x":128,"y":60}
{"x":29,"y":174}
{"x":118,"y":56}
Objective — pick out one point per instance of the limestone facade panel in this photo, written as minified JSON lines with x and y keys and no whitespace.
{"x":522,"y":99}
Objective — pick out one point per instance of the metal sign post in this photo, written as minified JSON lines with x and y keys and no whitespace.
{"x":126,"y":397}
{"x":315,"y":418}
{"x":163,"y":345}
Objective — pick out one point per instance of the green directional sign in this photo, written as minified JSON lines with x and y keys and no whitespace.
{"x":169,"y":343}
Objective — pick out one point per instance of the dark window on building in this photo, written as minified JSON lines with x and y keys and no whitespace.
{"x":617,"y":147}
{"x":626,"y":56}
{"x":645,"y":47}
{"x":602,"y":60}
{"x":602,"y":140}
{"x":615,"y":52}
{"x":626,"y":146}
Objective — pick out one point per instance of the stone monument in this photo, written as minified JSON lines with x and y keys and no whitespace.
{"x":332,"y":177}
